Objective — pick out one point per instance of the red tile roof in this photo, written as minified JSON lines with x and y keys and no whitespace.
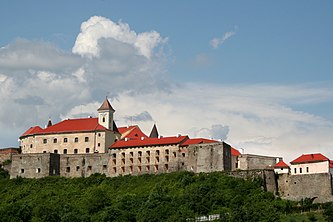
{"x":309,"y":158}
{"x":131,"y":132}
{"x":197,"y":141}
{"x":32,"y":130}
{"x":281,"y":164}
{"x":70,"y":125}
{"x":235,"y":152}
{"x":149,"y":142}
{"x":331,"y":163}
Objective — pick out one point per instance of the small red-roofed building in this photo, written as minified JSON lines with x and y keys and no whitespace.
{"x":281,"y":167}
{"x":310,"y":164}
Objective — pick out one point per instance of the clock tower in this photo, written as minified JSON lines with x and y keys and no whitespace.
{"x":105,"y":114}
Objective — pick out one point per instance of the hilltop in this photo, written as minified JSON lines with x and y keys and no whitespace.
{"x":165,"y":197}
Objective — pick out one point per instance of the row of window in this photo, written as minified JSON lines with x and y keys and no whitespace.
{"x":122,"y":169}
{"x":76,"y":140}
{"x":65,"y":151}
{"x":157,"y":153}
{"x":300,"y":170}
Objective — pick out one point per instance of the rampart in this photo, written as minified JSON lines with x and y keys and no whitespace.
{"x":296,"y":187}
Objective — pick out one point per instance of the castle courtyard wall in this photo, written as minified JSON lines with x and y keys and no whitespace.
{"x":253,"y":162}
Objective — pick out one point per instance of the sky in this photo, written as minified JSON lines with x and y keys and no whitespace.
{"x":256,"y":74}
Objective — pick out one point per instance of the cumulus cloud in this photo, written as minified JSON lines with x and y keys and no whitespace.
{"x":216,"y":42}
{"x":41,"y":80}
{"x":98,"y":28}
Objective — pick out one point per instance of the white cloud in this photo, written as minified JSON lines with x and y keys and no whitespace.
{"x":216,"y":42}
{"x":97,"y":28}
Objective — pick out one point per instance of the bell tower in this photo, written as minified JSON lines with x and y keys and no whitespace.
{"x":105,"y":114}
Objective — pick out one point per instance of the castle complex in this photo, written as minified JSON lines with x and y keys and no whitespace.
{"x":84,"y":146}
{"x":81,"y":147}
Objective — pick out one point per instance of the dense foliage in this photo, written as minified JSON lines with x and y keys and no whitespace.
{"x":165,"y":197}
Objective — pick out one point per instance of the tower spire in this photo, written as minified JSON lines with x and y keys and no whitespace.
{"x":154,"y":132}
{"x":105,"y":114}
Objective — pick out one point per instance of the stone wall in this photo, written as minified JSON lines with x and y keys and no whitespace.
{"x":209,"y":157}
{"x":253,"y":162}
{"x":35,"y":165}
{"x":297,"y":187}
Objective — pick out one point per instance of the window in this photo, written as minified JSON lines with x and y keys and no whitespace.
{"x":131,"y":153}
{"x":148,"y":160}
{"x":123,"y":169}
{"x":156,"y":168}
{"x":98,"y":144}
{"x":114,"y":155}
{"x":65,"y":140}
{"x":22,"y":170}
{"x":166,"y":166}
{"x":123,"y":155}
{"x":139,"y":168}
{"x":167,"y":158}
{"x":44,"y":151}
{"x":139,"y":153}
{"x":183,"y":154}
{"x":131,"y":169}
{"x":77,"y":168}
{"x":157,"y":159}
{"x":76,"y":139}
{"x":114,"y":169}
{"x":99,"y":134}
{"x":44,"y":141}
{"x":30,"y":145}
{"x":139,"y":159}
{"x":147,"y":168}
{"x":68,"y":169}
{"x":114,"y":162}
{"x":123,"y":161}
{"x":157,"y":152}
{"x":300,"y":170}
{"x":295,"y":170}
{"x":89,"y":168}
{"x":174,"y":154}
{"x":55,"y":140}
{"x":167,"y":152}
{"x":38,"y":170}
{"x":87,"y":150}
{"x":65,"y":151}
{"x":307,"y":169}
{"x":105,"y":167}
{"x":75,"y":150}
{"x":86,"y":139}
{"x":148,"y":153}
{"x":55,"y":151}
{"x":103,"y":120}
{"x":131,"y":159}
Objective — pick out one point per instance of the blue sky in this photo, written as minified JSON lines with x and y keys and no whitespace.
{"x":276,"y":54}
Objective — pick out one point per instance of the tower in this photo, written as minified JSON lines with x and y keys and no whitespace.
{"x":105,"y":114}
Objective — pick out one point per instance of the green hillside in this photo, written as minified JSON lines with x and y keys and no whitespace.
{"x":165,"y":197}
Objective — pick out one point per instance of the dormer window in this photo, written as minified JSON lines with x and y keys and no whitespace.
{"x":103,"y":119}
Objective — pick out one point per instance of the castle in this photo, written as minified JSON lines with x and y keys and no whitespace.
{"x":84,"y":146}
{"x":81,"y":147}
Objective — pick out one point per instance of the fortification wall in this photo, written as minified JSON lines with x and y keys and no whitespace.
{"x":34,"y":165}
{"x":297,"y":187}
{"x":209,"y":157}
{"x":253,"y":162}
